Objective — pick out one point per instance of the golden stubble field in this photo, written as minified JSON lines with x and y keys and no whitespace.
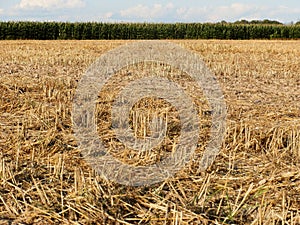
{"x":254,"y":180}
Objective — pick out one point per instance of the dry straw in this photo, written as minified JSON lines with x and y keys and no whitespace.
{"x":254,"y":180}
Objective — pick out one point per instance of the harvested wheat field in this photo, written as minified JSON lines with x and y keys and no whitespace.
{"x":255,"y":179}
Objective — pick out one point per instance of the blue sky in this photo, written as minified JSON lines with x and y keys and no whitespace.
{"x":149,"y":11}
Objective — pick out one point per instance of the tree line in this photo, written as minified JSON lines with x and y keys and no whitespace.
{"x":110,"y":31}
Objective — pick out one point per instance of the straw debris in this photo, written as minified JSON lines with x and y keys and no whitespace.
{"x":254,"y":180}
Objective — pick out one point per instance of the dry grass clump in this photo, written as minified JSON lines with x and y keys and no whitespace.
{"x":254,"y":180}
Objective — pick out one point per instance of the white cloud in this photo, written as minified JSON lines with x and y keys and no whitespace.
{"x":146,"y":12}
{"x":283,"y":10}
{"x":279,"y":13}
{"x":150,"y":12}
{"x":235,"y":11}
{"x":192,"y":13}
{"x":188,"y":14}
{"x":50,"y":4}
{"x":107,"y":15}
{"x":215,"y":14}
{"x":231,"y":12}
{"x":1,"y":11}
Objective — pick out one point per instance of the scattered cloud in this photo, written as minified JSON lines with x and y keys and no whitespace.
{"x":192,"y":14}
{"x":145,"y":12}
{"x":196,"y":14}
{"x":235,"y":10}
{"x":107,"y":15}
{"x":175,"y":11}
{"x":283,"y":10}
{"x":279,"y":13}
{"x":214,"y":14}
{"x":50,"y":4}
